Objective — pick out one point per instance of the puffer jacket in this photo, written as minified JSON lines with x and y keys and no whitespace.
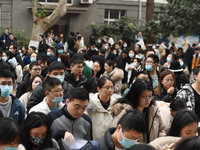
{"x":101,"y":118}
{"x":116,"y":76}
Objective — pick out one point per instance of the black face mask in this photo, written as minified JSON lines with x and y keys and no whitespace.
{"x":37,"y":141}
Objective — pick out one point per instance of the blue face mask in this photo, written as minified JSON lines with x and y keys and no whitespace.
{"x":126,"y":143}
{"x":168,"y":59}
{"x":131,"y":55}
{"x":181,"y":63}
{"x":148,"y":67}
{"x":125,"y":45}
{"x":60,"y":77}
{"x":59,"y":60}
{"x":48,"y":54}
{"x":135,"y":64}
{"x":106,"y":47}
{"x":6,"y":90}
{"x":60,"y":51}
{"x":4,"y":58}
{"x":141,"y":56}
{"x":10,"y":50}
{"x":10,"y":148}
{"x":21,"y":54}
{"x":32,"y":59}
{"x":57,"y":100}
{"x":115,"y":53}
{"x":99,"y":41}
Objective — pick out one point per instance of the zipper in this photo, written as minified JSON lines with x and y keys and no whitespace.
{"x":72,"y":127}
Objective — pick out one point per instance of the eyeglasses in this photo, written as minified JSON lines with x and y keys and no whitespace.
{"x":146,"y":98}
{"x":108,"y":87}
{"x":58,"y":91}
{"x":36,"y":69}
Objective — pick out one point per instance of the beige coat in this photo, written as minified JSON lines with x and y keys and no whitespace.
{"x":156,"y":122}
{"x":101,"y":118}
{"x":116,"y":76}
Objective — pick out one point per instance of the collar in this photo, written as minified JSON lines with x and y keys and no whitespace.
{"x":66,"y":113}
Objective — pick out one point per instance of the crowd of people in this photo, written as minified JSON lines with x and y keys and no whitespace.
{"x":106,"y":96}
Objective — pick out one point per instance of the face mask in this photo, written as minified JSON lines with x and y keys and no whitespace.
{"x":4,"y":58}
{"x":168,"y":59}
{"x":57,"y":100}
{"x":148,"y":67}
{"x":60,"y":77}
{"x":131,"y":55}
{"x":21,"y":54}
{"x":37,"y":141}
{"x":126,"y":143}
{"x":10,"y":148}
{"x":181,"y":63}
{"x":33,"y":59}
{"x":10,"y":50}
{"x":48,"y":54}
{"x":115,"y":53}
{"x":60,"y":51}
{"x":92,"y":49}
{"x":154,"y":47}
{"x":141,"y":56}
{"x":59,"y":60}
{"x":99,"y":41}
{"x":106,"y":47}
{"x":135,"y":64}
{"x":6,"y":90}
{"x":125,"y":45}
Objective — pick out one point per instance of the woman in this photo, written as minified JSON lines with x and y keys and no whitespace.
{"x":166,"y":90}
{"x":10,"y":134}
{"x":140,"y":97}
{"x":34,"y":82}
{"x":100,"y":107}
{"x":96,"y":69}
{"x":169,"y":59}
{"x":115,"y":74}
{"x":185,"y":124}
{"x":37,"y":132}
{"x":192,"y":143}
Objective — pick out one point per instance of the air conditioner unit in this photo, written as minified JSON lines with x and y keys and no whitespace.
{"x":86,"y":1}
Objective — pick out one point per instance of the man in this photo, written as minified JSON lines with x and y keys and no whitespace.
{"x":191,"y":93}
{"x":10,"y":106}
{"x":42,"y":60}
{"x":92,"y":51}
{"x":118,"y":48}
{"x":4,"y":39}
{"x":51,"y":55}
{"x":53,"y":99}
{"x":71,"y":41}
{"x":109,"y":54}
{"x":56,"y":70}
{"x":75,"y":77}
{"x":70,"y":122}
{"x":13,"y":49}
{"x":129,"y":129}
{"x":26,"y":59}
{"x":151,"y":68}
{"x":34,"y":69}
{"x":42,"y":44}
{"x":12,"y":40}
{"x":189,"y":56}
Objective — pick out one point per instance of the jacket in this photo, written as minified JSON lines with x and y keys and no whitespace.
{"x":87,"y":71}
{"x":116,"y":76}
{"x":62,"y":121}
{"x":38,"y":94}
{"x":187,"y":94}
{"x":101,"y":118}
{"x":43,"y":107}
{"x":26,"y":60}
{"x":195,"y":61}
{"x":17,"y":111}
{"x":25,"y":98}
{"x":6,"y":38}
{"x":104,"y":143}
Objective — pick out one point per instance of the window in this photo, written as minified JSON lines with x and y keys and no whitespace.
{"x":69,"y":2}
{"x":112,"y":15}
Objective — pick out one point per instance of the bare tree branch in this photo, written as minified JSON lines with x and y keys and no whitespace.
{"x":34,"y":9}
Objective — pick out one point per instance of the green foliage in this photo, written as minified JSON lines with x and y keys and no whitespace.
{"x":117,"y":28}
{"x":42,"y":14}
{"x":177,"y":17}
{"x":22,"y":37}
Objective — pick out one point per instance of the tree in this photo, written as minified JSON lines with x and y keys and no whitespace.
{"x":42,"y":23}
{"x":149,"y":17}
{"x":178,"y":17}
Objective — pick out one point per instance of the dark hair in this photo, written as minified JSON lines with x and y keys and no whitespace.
{"x":9,"y":54}
{"x":42,"y":56}
{"x":65,"y":59}
{"x":49,"y":83}
{"x":91,"y":85}
{"x":56,"y":66}
{"x":102,"y":80}
{"x":1,"y":51}
{"x":110,"y":63}
{"x":52,"y":49}
{"x":196,"y":70}
{"x":133,"y":120}
{"x":136,"y":90}
{"x":182,"y":118}
{"x":139,"y":45}
{"x":7,"y":74}
{"x":79,"y":93}
{"x":33,"y":48}
{"x":138,"y":60}
{"x":76,"y":60}
{"x":154,"y":57}
{"x":150,"y":50}
{"x":35,"y":120}
{"x":31,"y":81}
{"x":141,"y":72}
{"x":189,"y":143}
{"x":10,"y":131}
{"x":142,"y":147}
{"x":14,"y":46}
{"x":178,"y":104}
{"x":193,"y":45}
{"x":102,"y":50}
{"x":71,"y":33}
{"x":35,"y":63}
{"x":162,"y":76}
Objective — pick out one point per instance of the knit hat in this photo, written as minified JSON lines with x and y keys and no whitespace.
{"x":175,"y":66}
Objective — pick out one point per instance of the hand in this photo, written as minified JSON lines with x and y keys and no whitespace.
{"x":69,"y":138}
{"x":170,"y":90}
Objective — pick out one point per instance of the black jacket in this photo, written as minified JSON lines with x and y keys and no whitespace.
{"x":104,"y":143}
{"x":166,"y":97}
{"x":42,"y":46}
{"x":38,"y":94}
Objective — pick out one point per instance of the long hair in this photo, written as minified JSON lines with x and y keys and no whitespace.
{"x":35,"y":120}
